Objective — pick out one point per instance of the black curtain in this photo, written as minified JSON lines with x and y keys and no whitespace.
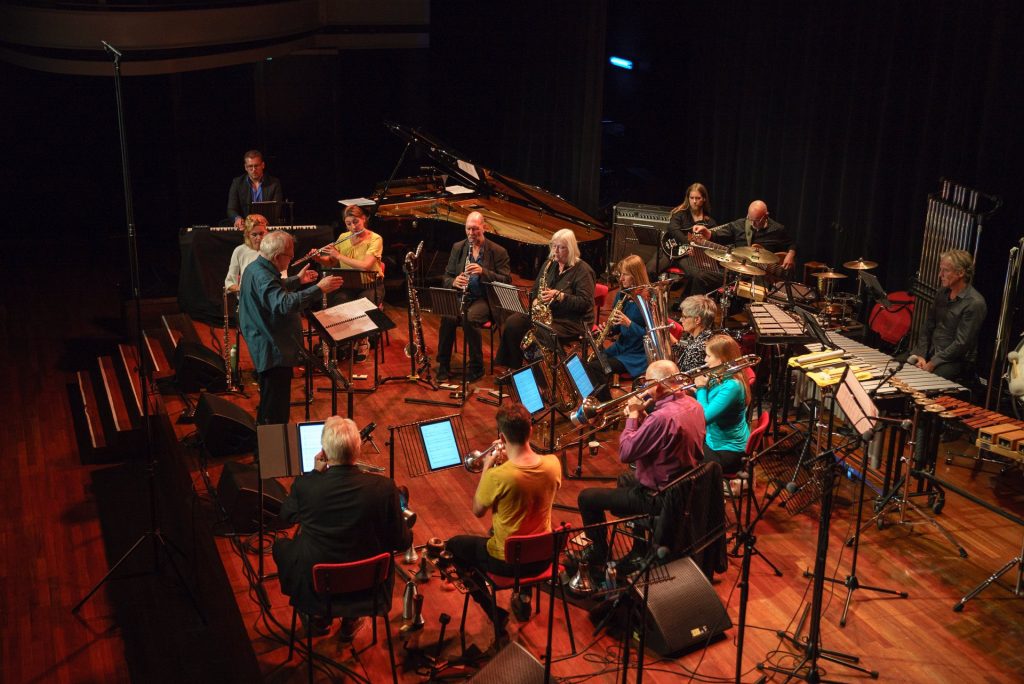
{"x":841,"y":116}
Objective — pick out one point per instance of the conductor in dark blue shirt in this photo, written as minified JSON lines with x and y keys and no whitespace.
{"x":268,"y":315}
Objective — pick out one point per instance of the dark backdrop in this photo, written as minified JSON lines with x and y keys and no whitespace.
{"x":842,"y":116}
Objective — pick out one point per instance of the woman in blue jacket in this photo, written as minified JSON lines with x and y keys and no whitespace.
{"x":626,"y":354}
{"x":725,"y":404}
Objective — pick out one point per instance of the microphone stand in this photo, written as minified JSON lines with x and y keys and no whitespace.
{"x":160,"y":542}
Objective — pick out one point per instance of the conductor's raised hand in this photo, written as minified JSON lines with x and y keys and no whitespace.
{"x":330,"y":283}
{"x":307,"y":275}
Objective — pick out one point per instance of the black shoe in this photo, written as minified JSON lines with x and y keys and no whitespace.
{"x":349,"y":627}
{"x":521,"y":606}
{"x":443,"y":373}
{"x":474,"y":375}
{"x":315,"y":625}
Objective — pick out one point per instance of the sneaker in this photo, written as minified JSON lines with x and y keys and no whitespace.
{"x":443,"y":373}
{"x":349,"y":628}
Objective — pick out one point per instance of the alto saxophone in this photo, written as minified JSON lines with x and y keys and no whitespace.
{"x":610,"y":322}
{"x":540,"y":311}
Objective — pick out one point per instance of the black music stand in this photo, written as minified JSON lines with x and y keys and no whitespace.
{"x":862,"y":413}
{"x":650,"y":237}
{"x":510,"y":298}
{"x":417,"y":453}
{"x":347,"y":323}
{"x":449,"y":303}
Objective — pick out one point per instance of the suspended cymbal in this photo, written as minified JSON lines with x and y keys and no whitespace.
{"x":829,"y":275}
{"x":861,"y":265}
{"x":720,"y":255}
{"x":745,"y":269}
{"x":756,"y":255}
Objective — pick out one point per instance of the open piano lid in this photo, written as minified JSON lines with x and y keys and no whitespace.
{"x":513,"y":209}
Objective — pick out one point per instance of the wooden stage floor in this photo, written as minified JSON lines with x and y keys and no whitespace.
{"x":66,"y":522}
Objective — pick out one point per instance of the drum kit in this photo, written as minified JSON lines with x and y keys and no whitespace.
{"x":836,"y":308}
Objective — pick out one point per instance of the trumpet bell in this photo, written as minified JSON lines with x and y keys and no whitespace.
{"x":474,"y":461}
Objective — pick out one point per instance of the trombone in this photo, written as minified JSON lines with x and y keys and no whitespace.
{"x":591,"y":409}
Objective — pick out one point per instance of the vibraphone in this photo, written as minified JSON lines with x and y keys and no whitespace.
{"x":774,"y":325}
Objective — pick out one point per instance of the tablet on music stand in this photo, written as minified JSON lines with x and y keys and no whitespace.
{"x":307,"y":439}
{"x":439,"y":444}
{"x":528,"y":388}
{"x":577,"y":373}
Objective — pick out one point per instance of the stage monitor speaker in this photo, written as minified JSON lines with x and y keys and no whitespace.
{"x":225,"y":428}
{"x":683,"y":612}
{"x":624,"y":216}
{"x":238,"y":493}
{"x":198,"y":368}
{"x":512,"y":665}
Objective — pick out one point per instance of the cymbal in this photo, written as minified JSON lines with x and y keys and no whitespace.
{"x":720,"y":255}
{"x":861,"y":265}
{"x":745,"y":269}
{"x":756,"y":255}
{"x":829,"y":275}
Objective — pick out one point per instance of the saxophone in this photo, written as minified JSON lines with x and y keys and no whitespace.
{"x":416,"y":349}
{"x":539,"y":309}
{"x":610,"y":322}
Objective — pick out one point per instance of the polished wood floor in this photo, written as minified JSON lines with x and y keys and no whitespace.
{"x":67,"y":521}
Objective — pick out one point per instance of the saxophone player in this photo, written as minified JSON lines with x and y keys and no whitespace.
{"x":565,"y":287}
{"x":627,"y":354}
{"x":472,"y":262}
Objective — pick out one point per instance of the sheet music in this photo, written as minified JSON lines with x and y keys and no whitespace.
{"x":347,"y":319}
{"x":357,"y":202}
{"x":468,"y":169}
{"x":459,"y":189}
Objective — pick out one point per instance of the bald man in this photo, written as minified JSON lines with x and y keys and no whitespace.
{"x":472,"y":262}
{"x":757,"y":228}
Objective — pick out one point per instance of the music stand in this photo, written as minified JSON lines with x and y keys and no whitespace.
{"x":445,"y":301}
{"x":862,"y":413}
{"x":651,"y":237}
{"x":812,"y":326}
{"x":510,"y":298}
{"x":347,"y":323}
{"x":422,"y":458}
{"x":271,"y":210}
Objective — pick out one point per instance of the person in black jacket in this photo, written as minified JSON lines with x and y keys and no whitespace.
{"x":472,"y":262}
{"x":568,"y":291}
{"x":344,"y":515}
{"x":694,"y":211}
{"x":252,"y":186}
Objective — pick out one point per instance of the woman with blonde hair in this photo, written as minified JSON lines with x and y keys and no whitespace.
{"x":725,"y":404}
{"x":627,"y":353}
{"x":253,"y":232}
{"x":568,"y":291}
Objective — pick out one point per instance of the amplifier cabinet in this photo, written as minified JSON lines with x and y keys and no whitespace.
{"x":625,"y":215}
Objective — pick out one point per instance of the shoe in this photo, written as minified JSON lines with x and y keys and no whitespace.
{"x":360,"y":351}
{"x":522,"y":608}
{"x":474,"y":375}
{"x":443,"y":373}
{"x":315,"y":625}
{"x":349,"y":628}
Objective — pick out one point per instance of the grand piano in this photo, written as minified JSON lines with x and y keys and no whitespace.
{"x":514,"y":209}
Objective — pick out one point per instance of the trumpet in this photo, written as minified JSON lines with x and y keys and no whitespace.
{"x":592,"y":409}
{"x":474,"y":460}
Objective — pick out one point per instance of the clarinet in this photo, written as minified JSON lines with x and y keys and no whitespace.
{"x":228,"y":350}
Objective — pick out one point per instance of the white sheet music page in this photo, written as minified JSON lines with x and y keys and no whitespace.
{"x":345,"y":320}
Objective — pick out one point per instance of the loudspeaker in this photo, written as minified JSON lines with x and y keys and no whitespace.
{"x":512,"y":665}
{"x":624,"y":216}
{"x":225,"y":428}
{"x":684,"y":611}
{"x":197,"y":368}
{"x":238,"y":493}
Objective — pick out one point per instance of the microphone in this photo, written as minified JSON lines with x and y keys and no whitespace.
{"x":107,"y":47}
{"x":365,"y":433}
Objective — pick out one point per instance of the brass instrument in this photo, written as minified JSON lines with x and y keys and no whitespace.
{"x":474,"y":460}
{"x":416,"y":349}
{"x":654,"y":308}
{"x":592,"y":409}
{"x":540,"y":310}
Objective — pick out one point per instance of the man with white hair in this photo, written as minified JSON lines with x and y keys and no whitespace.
{"x":268,"y":315}
{"x":344,"y":515}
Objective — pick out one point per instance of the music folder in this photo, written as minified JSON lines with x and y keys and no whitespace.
{"x":350,"y":320}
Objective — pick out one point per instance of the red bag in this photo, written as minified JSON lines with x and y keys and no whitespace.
{"x":892,"y":322}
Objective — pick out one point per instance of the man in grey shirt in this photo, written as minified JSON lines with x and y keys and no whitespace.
{"x":948,"y":345}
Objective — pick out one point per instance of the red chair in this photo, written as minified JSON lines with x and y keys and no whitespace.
{"x":521,"y":550}
{"x":600,"y":295}
{"x":369,"y":575}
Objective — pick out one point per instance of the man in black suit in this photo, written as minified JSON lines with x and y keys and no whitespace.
{"x":252,"y":186}
{"x":473,"y":262}
{"x":344,"y":515}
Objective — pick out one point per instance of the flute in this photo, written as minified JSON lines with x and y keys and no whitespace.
{"x":322,"y":251}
